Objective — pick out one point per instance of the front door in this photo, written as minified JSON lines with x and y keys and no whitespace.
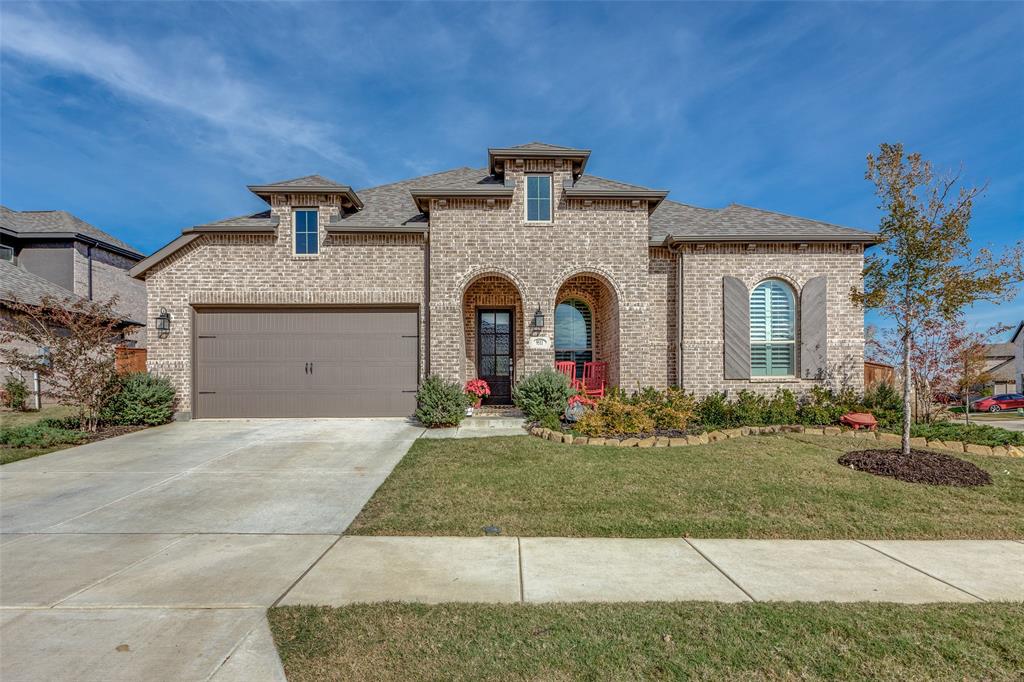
{"x":495,"y":331}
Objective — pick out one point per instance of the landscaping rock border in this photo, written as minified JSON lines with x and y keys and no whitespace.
{"x":727,"y":434}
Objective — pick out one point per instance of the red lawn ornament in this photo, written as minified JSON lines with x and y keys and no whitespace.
{"x":859,"y":420}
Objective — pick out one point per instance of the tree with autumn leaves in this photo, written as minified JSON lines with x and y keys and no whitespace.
{"x":71,"y":344}
{"x":924,"y":272}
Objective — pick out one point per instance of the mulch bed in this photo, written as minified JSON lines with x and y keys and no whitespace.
{"x":104,"y":432}
{"x":920,"y":466}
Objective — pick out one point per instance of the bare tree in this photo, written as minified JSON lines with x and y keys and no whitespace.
{"x":71,"y":345}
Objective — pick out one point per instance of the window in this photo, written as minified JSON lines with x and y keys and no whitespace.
{"x":7,"y":253}
{"x":772,"y":330}
{"x":538,"y":198}
{"x":574,"y":333}
{"x":306,"y":235}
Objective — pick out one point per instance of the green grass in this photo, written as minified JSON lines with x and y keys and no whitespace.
{"x":757,"y":487}
{"x":689,"y":640}
{"x":10,"y":419}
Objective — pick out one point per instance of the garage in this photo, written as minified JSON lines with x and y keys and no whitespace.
{"x":305,"y":362}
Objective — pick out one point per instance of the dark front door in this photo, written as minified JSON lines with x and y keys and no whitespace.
{"x":495,"y":331}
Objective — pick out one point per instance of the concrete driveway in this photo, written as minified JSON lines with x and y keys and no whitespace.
{"x":154,"y":555}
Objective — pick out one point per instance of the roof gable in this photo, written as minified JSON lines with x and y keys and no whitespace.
{"x":59,"y":224}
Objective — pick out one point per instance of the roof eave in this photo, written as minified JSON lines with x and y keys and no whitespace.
{"x":77,"y":236}
{"x":378,"y":229}
{"x":653,"y":197}
{"x":580,"y":155}
{"x":422,"y":197}
{"x":866,"y":238}
{"x":265,"y":191}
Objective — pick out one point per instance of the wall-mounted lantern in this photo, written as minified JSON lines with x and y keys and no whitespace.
{"x":538,"y":319}
{"x":163,"y":323}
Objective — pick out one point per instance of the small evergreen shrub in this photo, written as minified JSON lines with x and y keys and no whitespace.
{"x":541,"y":394}
{"x":15,"y":392}
{"x":714,"y":411}
{"x":440,"y":403}
{"x":37,"y":436}
{"x":141,"y":399}
{"x":669,"y":409}
{"x":750,"y":409}
{"x":886,"y":403}
{"x":978,"y":434}
{"x":551,"y":421}
{"x":782,"y":408}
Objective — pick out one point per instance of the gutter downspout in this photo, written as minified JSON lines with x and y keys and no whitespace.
{"x":88,"y":254}
{"x":679,"y":313}
{"x":426,"y":304}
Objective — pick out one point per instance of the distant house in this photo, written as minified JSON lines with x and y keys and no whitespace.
{"x":77,"y":257}
{"x":1004,"y":363}
{"x":53,"y":254}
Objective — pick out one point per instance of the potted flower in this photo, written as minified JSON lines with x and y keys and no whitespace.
{"x":477,"y":390}
{"x":578,"y":404}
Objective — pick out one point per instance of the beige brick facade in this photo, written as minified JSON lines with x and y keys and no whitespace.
{"x":482,"y":253}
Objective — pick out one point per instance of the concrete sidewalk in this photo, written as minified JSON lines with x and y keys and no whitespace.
{"x":509,"y":569}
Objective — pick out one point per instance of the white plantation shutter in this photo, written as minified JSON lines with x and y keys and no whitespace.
{"x":772,"y":329}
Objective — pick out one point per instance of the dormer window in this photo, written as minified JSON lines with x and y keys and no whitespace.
{"x":306,"y":237}
{"x":538,"y":198}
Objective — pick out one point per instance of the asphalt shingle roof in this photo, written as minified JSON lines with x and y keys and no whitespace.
{"x":22,"y":285}
{"x":57,"y":221}
{"x":305,"y":181}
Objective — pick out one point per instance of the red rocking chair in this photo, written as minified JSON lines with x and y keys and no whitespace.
{"x":568,"y":368}
{"x":595,"y":376}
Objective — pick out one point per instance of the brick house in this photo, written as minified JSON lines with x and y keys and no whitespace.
{"x":335,"y":302}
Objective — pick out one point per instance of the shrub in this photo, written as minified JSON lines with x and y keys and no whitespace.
{"x":15,"y":392}
{"x":551,"y":421}
{"x":886,"y":403}
{"x":750,"y":409}
{"x":37,"y":436}
{"x":440,"y":403}
{"x":669,"y":409}
{"x":714,"y":411}
{"x":544,"y":393}
{"x":141,"y":399}
{"x":614,"y":417}
{"x":782,"y":408}
{"x":979,"y":434}
{"x":72,"y":423}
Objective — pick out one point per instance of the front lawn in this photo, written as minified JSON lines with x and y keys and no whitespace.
{"x":691,"y":640}
{"x":784,"y":486}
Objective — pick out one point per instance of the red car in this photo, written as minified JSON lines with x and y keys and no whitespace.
{"x":998,"y":403}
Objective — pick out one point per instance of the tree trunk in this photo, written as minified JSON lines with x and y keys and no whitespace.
{"x":905,"y":441}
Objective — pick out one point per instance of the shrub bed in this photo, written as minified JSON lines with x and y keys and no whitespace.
{"x":979,"y":434}
{"x":441,"y":403}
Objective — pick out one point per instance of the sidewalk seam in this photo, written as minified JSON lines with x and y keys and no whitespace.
{"x":519,"y":555}
{"x":922,"y":571}
{"x":306,"y":572}
{"x":720,"y":570}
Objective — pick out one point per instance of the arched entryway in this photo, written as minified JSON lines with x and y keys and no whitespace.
{"x":587,"y":323}
{"x":492,"y":312}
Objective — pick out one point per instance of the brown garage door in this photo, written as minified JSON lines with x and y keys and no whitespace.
{"x":304,"y":362}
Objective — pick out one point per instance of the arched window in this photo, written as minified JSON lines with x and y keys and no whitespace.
{"x":574,"y":333}
{"x":772,"y":330}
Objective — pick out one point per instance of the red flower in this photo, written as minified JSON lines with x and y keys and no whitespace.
{"x":579,"y":399}
{"x":478,"y":387}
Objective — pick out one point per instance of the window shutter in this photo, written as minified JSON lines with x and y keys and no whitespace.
{"x":736,"y":329}
{"x":813,"y":328}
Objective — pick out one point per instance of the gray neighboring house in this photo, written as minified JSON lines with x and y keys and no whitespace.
{"x":1005,"y":363}
{"x":337,"y":302}
{"x":78,"y":257}
{"x":55,"y":254}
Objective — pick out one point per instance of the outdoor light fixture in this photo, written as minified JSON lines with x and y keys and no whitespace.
{"x":163,"y":323}
{"x":538,"y":319}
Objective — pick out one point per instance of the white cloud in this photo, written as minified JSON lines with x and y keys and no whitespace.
{"x":180,"y":74}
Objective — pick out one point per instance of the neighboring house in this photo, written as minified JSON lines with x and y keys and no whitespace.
{"x":79,"y":258}
{"x":1004,"y":363}
{"x":335,"y":302}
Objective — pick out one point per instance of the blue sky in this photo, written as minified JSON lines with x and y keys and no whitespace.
{"x":144,"y":118}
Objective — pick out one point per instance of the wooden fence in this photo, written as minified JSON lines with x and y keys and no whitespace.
{"x":878,"y":373}
{"x":130,"y":360}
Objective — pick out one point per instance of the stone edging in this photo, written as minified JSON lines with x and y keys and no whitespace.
{"x":726,"y":434}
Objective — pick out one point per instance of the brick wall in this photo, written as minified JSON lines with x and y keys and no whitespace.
{"x":606,"y":239}
{"x":262,"y":270}
{"x":702,"y":344}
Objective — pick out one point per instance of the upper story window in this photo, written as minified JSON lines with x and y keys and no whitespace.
{"x":538,"y":198}
{"x":772,"y":330}
{"x":307,"y":240}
